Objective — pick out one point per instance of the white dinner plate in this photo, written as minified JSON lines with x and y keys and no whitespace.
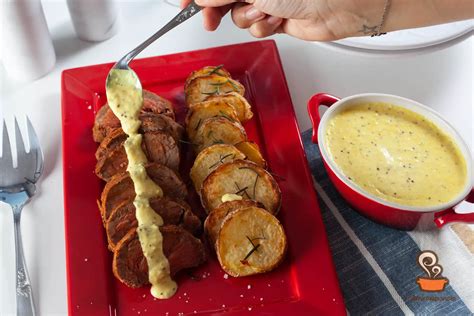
{"x":410,"y":40}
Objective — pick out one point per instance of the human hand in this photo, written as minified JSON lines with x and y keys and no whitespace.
{"x":321,"y":20}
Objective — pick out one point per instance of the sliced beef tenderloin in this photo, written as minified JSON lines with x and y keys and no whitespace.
{"x":106,"y":121}
{"x":178,"y":213}
{"x":158,"y":147}
{"x":180,"y":247}
{"x":120,"y":188}
{"x":152,"y":122}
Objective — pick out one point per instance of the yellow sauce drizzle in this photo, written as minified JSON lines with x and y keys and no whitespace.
{"x":125,"y":99}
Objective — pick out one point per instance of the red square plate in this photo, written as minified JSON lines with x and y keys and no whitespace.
{"x":305,"y":283}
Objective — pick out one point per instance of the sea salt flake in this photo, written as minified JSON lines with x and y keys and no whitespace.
{"x":250,"y":308}
{"x":261,"y":299}
{"x":226,"y":276}
{"x":249,"y":287}
{"x":241,"y":295}
{"x":85,"y":259}
{"x":223,"y":305}
{"x":185,"y":294}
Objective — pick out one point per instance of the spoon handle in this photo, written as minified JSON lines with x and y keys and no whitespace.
{"x":182,"y":16}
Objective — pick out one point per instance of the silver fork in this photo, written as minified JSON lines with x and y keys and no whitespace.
{"x":17,"y":186}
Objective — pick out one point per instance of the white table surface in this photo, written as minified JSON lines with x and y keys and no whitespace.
{"x":442,"y":80}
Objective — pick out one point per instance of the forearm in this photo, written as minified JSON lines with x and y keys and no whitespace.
{"x":404,"y":14}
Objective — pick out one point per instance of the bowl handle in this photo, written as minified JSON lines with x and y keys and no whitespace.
{"x":449,"y":216}
{"x":313,"y":109}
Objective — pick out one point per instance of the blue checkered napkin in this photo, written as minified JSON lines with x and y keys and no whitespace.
{"x":376,"y":265}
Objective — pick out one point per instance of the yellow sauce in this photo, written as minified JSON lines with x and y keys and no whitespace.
{"x":126,"y":99}
{"x":229,"y":197}
{"x":396,"y":154}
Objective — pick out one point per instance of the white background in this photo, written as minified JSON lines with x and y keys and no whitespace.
{"x":442,"y":80}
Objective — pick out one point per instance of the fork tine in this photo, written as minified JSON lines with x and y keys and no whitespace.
{"x":7,"y":160}
{"x":35,"y":148}
{"x":20,"y":145}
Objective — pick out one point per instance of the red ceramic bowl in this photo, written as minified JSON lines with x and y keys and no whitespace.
{"x":382,"y":211}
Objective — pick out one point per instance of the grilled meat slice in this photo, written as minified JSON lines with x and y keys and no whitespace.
{"x":106,"y":121}
{"x":173,"y":212}
{"x":158,"y":147}
{"x":180,"y":247}
{"x":120,"y":188}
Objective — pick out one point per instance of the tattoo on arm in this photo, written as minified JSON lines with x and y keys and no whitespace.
{"x":370,"y":30}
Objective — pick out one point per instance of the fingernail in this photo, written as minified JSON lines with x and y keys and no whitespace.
{"x":253,"y":14}
{"x":273,"y":20}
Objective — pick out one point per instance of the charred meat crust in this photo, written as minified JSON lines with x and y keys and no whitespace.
{"x":122,"y":218}
{"x":182,"y":249}
{"x":158,"y":147}
{"x":106,"y":121}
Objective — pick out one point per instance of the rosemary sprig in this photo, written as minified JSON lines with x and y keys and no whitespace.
{"x":255,"y":187}
{"x":221,"y":160}
{"x":214,"y":140}
{"x":254,"y":248}
{"x":216,"y":70}
{"x":277,"y":176}
{"x":186,"y":142}
{"x":198,"y":124}
{"x":211,"y":93}
{"x":243,"y":190}
{"x":224,"y":115}
{"x":234,"y":86}
{"x":218,"y":84}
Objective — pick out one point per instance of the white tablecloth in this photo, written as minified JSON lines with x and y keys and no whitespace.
{"x":442,"y":80}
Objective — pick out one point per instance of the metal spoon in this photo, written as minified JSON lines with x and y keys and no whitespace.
{"x":190,"y":10}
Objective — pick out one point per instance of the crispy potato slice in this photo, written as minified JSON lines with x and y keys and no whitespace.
{"x":203,"y":110}
{"x":218,"y":130}
{"x":206,"y":71}
{"x":213,"y":222}
{"x":244,"y":178}
{"x":238,"y":102}
{"x":250,"y":241}
{"x":211,"y":158}
{"x":252,"y":152}
{"x":201,"y":88}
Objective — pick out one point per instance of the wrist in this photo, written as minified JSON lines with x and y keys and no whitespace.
{"x":406,"y":14}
